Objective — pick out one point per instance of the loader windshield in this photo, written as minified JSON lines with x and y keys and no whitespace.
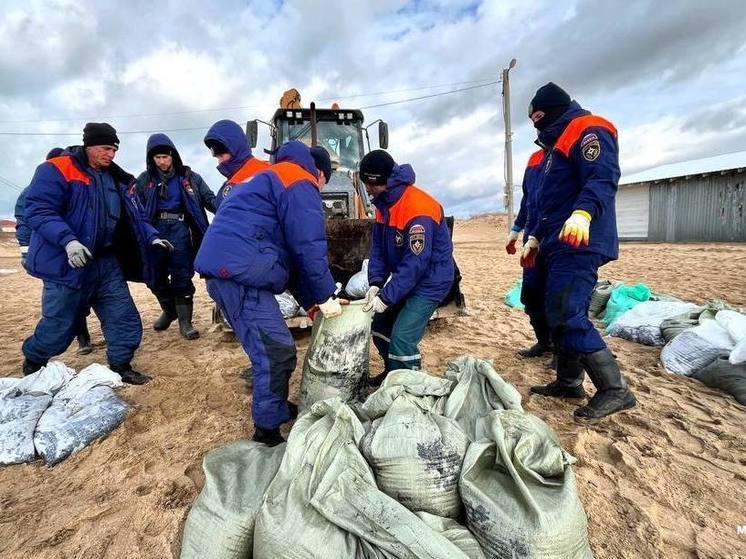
{"x":341,"y":140}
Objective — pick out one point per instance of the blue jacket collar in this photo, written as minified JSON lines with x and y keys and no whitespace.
{"x":401,"y":177}
{"x":232,"y":136}
{"x":551,"y":133}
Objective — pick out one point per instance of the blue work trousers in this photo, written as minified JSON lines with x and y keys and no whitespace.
{"x":175,"y":270}
{"x":258,"y":324}
{"x":533,"y":292}
{"x":398,"y":330}
{"x":570,"y":279}
{"x":64,"y":310}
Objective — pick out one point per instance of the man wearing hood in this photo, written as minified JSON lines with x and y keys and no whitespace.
{"x":411,"y":244}
{"x":575,"y":233}
{"x":175,"y":199}
{"x":89,"y":237}
{"x":266,"y":237}
{"x":230,"y":146}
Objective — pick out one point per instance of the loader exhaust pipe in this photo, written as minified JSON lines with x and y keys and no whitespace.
{"x":313,"y":123}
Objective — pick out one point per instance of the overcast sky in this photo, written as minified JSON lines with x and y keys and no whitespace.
{"x":670,"y":75}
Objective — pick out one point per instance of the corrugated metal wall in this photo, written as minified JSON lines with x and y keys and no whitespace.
{"x":632,"y":212}
{"x":708,"y":208}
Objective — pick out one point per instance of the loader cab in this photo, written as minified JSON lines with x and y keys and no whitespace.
{"x":341,"y":133}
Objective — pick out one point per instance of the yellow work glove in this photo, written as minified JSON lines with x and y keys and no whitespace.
{"x":530,"y":250}
{"x":577,"y":229}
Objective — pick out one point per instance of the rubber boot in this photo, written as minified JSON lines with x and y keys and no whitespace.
{"x":270,"y":437}
{"x":84,"y":340}
{"x":30,"y":367}
{"x":184,"y":310}
{"x":536,"y":350}
{"x":569,"y":383}
{"x":129,"y":375}
{"x":612,"y":393}
{"x":167,"y":316}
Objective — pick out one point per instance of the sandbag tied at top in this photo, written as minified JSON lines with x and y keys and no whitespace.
{"x":477,"y":390}
{"x":337,"y":359}
{"x":519,"y":491}
{"x":220,"y":524}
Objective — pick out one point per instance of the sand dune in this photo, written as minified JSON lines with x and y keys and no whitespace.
{"x":667,"y":480}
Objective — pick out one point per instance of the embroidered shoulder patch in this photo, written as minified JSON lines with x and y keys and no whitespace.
{"x":590,"y":147}
{"x":417,"y":239}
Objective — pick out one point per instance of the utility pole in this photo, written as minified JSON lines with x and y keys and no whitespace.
{"x":508,"y":142}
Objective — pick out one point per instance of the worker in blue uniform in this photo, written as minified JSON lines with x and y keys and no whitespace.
{"x":269,"y":235}
{"x":575,"y":232}
{"x":533,"y":284}
{"x":89,"y":237}
{"x":412,"y":246}
{"x":175,"y":199}
{"x":23,"y":236}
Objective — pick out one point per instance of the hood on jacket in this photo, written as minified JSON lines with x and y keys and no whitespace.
{"x":232,"y":136}
{"x":299,"y":153}
{"x":401,"y":177}
{"x":549,"y":136}
{"x":161,"y":140}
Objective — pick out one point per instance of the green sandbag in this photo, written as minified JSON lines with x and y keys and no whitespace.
{"x":721,"y":374}
{"x":672,"y":327}
{"x":519,"y":491}
{"x":622,"y":299}
{"x":513,"y":296}
{"x":221,"y":522}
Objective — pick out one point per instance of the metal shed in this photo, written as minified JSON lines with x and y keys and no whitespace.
{"x":707,"y":206}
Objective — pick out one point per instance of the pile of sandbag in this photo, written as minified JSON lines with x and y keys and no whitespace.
{"x":426,"y":467}
{"x":672,"y":327}
{"x":56,"y":412}
{"x":642,"y":323}
{"x":624,"y":298}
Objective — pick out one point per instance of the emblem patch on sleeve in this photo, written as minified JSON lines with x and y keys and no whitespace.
{"x":590,"y":147}
{"x":417,"y":239}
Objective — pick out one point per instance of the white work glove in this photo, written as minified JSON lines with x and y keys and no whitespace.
{"x":528,"y":255}
{"x":510,"y":242}
{"x":77,"y":254}
{"x":370,"y":295}
{"x":330,"y":308}
{"x":577,"y":229}
{"x":163,"y":244}
{"x":376,"y":305}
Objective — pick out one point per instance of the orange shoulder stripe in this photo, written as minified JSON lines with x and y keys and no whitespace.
{"x":576,"y":128}
{"x":536,"y":158}
{"x":414,"y":203}
{"x":379,"y":216}
{"x":290,"y":173}
{"x":249,"y":169}
{"x":69,"y":170}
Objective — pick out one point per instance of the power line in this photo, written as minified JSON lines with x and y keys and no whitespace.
{"x":400,"y":101}
{"x":237,"y":108}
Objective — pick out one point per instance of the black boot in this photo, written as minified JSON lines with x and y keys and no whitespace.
{"x":167,"y":316}
{"x":129,"y":375}
{"x":612,"y":393}
{"x":270,"y":437}
{"x":84,"y":341}
{"x":569,"y":383}
{"x":184,"y":310}
{"x":30,"y":367}
{"x":536,"y":350}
